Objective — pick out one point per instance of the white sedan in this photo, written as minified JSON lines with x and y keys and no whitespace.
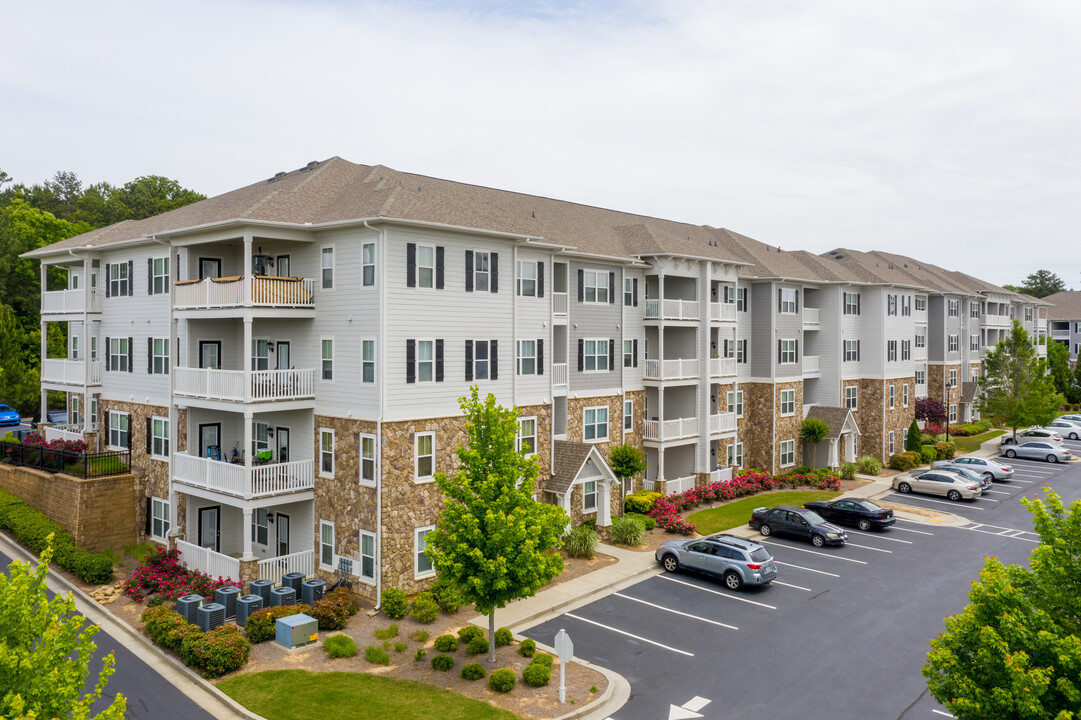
{"x":1066,"y":428}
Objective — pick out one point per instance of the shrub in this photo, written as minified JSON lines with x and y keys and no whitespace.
{"x":340,"y":646}
{"x":174,"y":639}
{"x":502,"y":680}
{"x":848,"y":471}
{"x":912,"y":438}
{"x":400,"y":647}
{"x":869,"y":465}
{"x":376,"y":655}
{"x":542,"y":659}
{"x":581,"y":542}
{"x":188,"y":644}
{"x":914,"y":456}
{"x":220,"y":651}
{"x":419,"y":636}
{"x":527,"y":648}
{"x":928,"y":454}
{"x":537,"y":675}
{"x":945,"y":450}
{"x":155,"y":601}
{"x":390,"y":632}
{"x":442,"y":662}
{"x":394,"y":604}
{"x":446,"y":595}
{"x":163,"y":572}
{"x":261,"y":623}
{"x":32,"y":528}
{"x":799,"y":470}
{"x":446,"y":643}
{"x":503,"y":637}
{"x":334,"y":609}
{"x":901,"y":461}
{"x":477,"y":645}
{"x":647,"y":522}
{"x":473,"y":671}
{"x":420,"y":655}
{"x":628,"y":531}
{"x":469,"y":632}
{"x":424,"y":608}
{"x":641,"y":501}
{"x":161,"y":620}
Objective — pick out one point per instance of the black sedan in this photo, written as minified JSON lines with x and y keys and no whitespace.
{"x":799,"y":523}
{"x":857,"y":512}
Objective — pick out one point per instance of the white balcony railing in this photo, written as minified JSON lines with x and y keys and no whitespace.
{"x":559,"y":303}
{"x":71,"y":433}
{"x":274,"y":568}
{"x":722,"y":423}
{"x":722,"y":312}
{"x":70,"y":372}
{"x":232,"y":479}
{"x":1000,"y":321}
{"x":653,"y":309}
{"x":69,"y":301}
{"x":673,"y":309}
{"x":812,"y":364}
{"x":811,"y":317}
{"x":559,"y":374}
{"x":722,"y":367}
{"x":678,"y":429}
{"x":721,"y":474}
{"x":919,"y":353}
{"x":206,"y":560}
{"x":265,"y":385}
{"x":229,"y":292}
{"x":672,"y":486}
{"x":678,"y":369}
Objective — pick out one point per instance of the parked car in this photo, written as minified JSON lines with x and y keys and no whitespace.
{"x":9,"y":416}
{"x":1038,"y":450}
{"x":859,"y":512}
{"x":988,"y":467}
{"x":983,"y":480}
{"x":1072,"y":417}
{"x":1032,"y":434}
{"x":933,"y":482}
{"x":797,"y":522}
{"x":736,"y":560}
{"x":1066,"y":428}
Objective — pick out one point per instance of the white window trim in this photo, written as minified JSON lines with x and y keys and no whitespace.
{"x":164,"y":275}
{"x":374,"y":556}
{"x":117,"y":281}
{"x":522,"y":279}
{"x":157,"y":503}
{"x":153,"y":453}
{"x":520,"y":356}
{"x":793,"y":303}
{"x":626,"y":402}
{"x":164,"y":356}
{"x":518,"y":435}
{"x":734,"y":454}
{"x":487,"y":359}
{"x":892,"y":396}
{"x":417,"y":360}
{"x":256,"y":526}
{"x":855,"y":396}
{"x":784,"y":392}
{"x":904,"y":395}
{"x":417,"y":477}
{"x":791,"y":444}
{"x":333,"y":539}
{"x":374,"y":361}
{"x":628,"y":292}
{"x":607,"y":424}
{"x":113,"y":416}
{"x":333,"y":268}
{"x":596,"y":494}
{"x":892,"y":442}
{"x":322,"y":432}
{"x":375,"y":460}
{"x":487,"y":273}
{"x":785,"y":353}
{"x":603,"y":356}
{"x":953,"y":343}
{"x":417,"y":574}
{"x":374,"y":265}
{"x":330,"y":339}
{"x":432,"y":267}
{"x":596,"y":274}
{"x":735,"y":400}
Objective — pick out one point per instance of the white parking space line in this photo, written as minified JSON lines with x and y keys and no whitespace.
{"x":1011,"y":533}
{"x":1019,"y":480}
{"x":868,"y":547}
{"x":677,"y":612}
{"x":716,"y":592}
{"x":910,"y":530}
{"x":796,"y":587}
{"x":943,"y":712}
{"x":998,"y":492}
{"x":812,"y":552}
{"x":630,"y":635}
{"x":932,"y":500}
{"x":880,"y":536}
{"x":800,"y":567}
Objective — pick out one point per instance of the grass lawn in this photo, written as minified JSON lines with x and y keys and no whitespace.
{"x":299,"y":694}
{"x":733,"y":514}
{"x":972,"y":443}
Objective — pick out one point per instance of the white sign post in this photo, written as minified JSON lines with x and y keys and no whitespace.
{"x":565,"y":651}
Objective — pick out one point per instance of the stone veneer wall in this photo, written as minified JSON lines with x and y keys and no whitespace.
{"x":900,"y":417}
{"x":937,"y":375}
{"x":756,"y":426}
{"x":637,"y":434}
{"x":868,"y":414}
{"x":576,"y":405}
{"x":788,"y":425}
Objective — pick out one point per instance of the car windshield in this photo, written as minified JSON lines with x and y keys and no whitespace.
{"x":5,"y":408}
{"x":760,"y":554}
{"x":812,"y":517}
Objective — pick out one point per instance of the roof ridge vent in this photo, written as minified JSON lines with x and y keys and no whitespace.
{"x":277,"y":176}
{"x":310,"y":166}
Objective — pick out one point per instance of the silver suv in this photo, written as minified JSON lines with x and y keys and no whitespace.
{"x":736,"y":560}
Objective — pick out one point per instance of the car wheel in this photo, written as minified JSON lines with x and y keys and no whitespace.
{"x":864,"y":524}
{"x":670,"y":563}
{"x":1052,"y":459}
{"x":989,"y":476}
{"x":954,"y":495}
{"x":1073,"y":436}
{"x":766,"y":530}
{"x":732,"y":580}
{"x":818,"y":540}
{"x":904,"y":487}
{"x":1011,"y":453}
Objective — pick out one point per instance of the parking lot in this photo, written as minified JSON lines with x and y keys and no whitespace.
{"x":843,"y":630}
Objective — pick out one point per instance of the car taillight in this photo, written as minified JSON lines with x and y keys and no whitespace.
{"x":883,"y":516}
{"x":754,"y":566}
{"x":973,"y":487}
{"x":1005,"y":469}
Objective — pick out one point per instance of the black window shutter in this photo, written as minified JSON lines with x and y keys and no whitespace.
{"x":857,"y":303}
{"x":611,"y":287}
{"x":493,"y":282}
{"x":778,"y":351}
{"x":468,"y":272}
{"x":108,"y":356}
{"x":778,"y":299}
{"x":149,"y":514}
{"x":131,"y":430}
{"x":797,"y":301}
{"x":411,"y":266}
{"x":636,"y":347}
{"x":797,"y":350}
{"x":150,"y":276}
{"x":176,"y":268}
{"x":410,"y":361}
{"x":581,"y":355}
{"x":131,"y":355}
{"x":468,"y":360}
{"x":149,"y":434}
{"x":857,"y":349}
{"x":540,"y":278}
{"x":438,"y":267}
{"x":635,"y":292}
{"x":494,"y":359}
{"x":150,"y":356}
{"x":439,"y":361}
{"x":105,"y":424}
{"x":131,"y":277}
{"x":540,"y":356}
{"x":108,"y":274}
{"x":581,"y":286}
{"x":611,"y":354}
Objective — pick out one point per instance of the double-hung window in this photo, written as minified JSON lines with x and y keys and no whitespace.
{"x":367,"y":556}
{"x":328,"y":268}
{"x":787,"y":353}
{"x":589,"y":496}
{"x":160,"y":520}
{"x":118,"y":354}
{"x":260,"y":526}
{"x":425,"y":360}
{"x":954,"y":343}
{"x":426,"y":266}
{"x":527,"y":357}
{"x":892,"y":446}
{"x":921,"y":341}
{"x":119,"y":280}
{"x":526,"y":442}
{"x":973,"y":310}
{"x":906,"y":305}
{"x":741,"y":299}
{"x":367,"y":361}
{"x":953,"y":413}
{"x":974,"y":342}
{"x":852,"y":350}
{"x":735,"y":454}
{"x":367,"y":264}
{"x":891,"y":304}
{"x":892,"y":396}
{"x":953,"y":377}
{"x":159,"y":356}
{"x":1028,"y":314}
{"x":527,"y":278}
{"x":904,"y":395}
{"x":850,"y":397}
{"x":260,"y":437}
{"x":741,"y":351}
{"x":159,"y":276}
{"x":788,"y":402}
{"x":119,"y":430}
{"x":367,"y":459}
{"x":595,"y":423}
{"x":921,"y":377}
{"x":788,"y":301}
{"x":596,"y":355}
{"x":628,"y":353}
{"x":159,"y":438}
{"x":424,"y":456}
{"x":906,"y":350}
{"x":628,"y":291}
{"x":328,"y":359}
{"x":788,"y":453}
{"x":852,"y":303}
{"x":326,"y":545}
{"x":921,"y":303}
{"x":891,"y":351}
{"x":480,"y":353}
{"x":596,"y":286}
{"x":955,"y":308}
{"x":481,"y":271}
{"x":422,"y":566}
{"x":735,"y":402}
{"x":326,"y":452}
{"x":628,"y":415}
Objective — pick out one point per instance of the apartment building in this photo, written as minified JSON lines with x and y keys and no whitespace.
{"x":1064,"y":320}
{"x":285,"y":360}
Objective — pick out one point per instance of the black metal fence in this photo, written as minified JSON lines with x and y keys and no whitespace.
{"x":69,"y":462}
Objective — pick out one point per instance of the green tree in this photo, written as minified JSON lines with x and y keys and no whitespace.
{"x":912,"y":440}
{"x":626,"y":461}
{"x":1058,"y":364}
{"x":45,"y":651}
{"x":147,"y":196}
{"x":494,"y":541}
{"x":1015,"y":385}
{"x":813,"y":431}
{"x":1015,"y":650}
{"x":1043,"y":283}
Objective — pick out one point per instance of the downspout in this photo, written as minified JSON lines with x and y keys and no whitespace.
{"x":381,"y":339}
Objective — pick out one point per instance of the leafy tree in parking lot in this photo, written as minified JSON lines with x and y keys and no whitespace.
{"x":1015,"y":385}
{"x":1015,"y":650}
{"x":494,"y":541}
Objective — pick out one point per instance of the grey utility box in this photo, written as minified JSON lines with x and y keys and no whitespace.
{"x":296,"y":630}
{"x":210,"y":616}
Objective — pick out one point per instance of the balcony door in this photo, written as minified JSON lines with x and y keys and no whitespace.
{"x":260,"y":354}
{"x":283,"y":266}
{"x":210,"y":440}
{"x":281,"y":438}
{"x":209,"y":527}
{"x":210,"y":354}
{"x":283,"y":355}
{"x":283,"y":534}
{"x":209,"y":268}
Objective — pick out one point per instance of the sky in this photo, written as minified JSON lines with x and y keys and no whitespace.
{"x":947,"y":131}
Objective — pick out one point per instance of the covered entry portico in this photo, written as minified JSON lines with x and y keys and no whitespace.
{"x":839,"y":445}
{"x":583,"y":484}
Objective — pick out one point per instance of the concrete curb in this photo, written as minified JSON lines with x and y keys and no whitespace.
{"x":206,"y":695}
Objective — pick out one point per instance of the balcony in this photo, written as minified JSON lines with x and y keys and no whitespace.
{"x":678,"y":369}
{"x":230,"y":385}
{"x":997,"y":321}
{"x":229,"y":292}
{"x":812,"y":366}
{"x":240,"y":482}
{"x":720,"y":423}
{"x":811,"y":318}
{"x":559,"y":304}
{"x":672,"y":309}
{"x":665,"y":430}
{"x":722,"y":312}
{"x":70,"y":372}
{"x":722,"y":367}
{"x":559,"y":376}
{"x":919,"y":353}
{"x":60,"y":302}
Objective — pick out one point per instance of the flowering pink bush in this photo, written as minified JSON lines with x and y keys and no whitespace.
{"x":930,"y":429}
{"x":38,"y":440}
{"x":667,"y":510}
{"x":163,"y":572}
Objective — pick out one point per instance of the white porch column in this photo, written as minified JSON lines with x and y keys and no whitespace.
{"x":174,"y":518}
{"x":247,"y":269}
{"x":247,"y":451}
{"x":246,"y":351}
{"x":247,"y":535}
{"x":604,"y":505}
{"x":44,"y":342}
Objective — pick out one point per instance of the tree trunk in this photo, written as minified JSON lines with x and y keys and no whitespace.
{"x":491,"y":637}
{"x":814,"y":452}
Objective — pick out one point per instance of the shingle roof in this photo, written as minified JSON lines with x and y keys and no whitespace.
{"x":1064,"y":305}
{"x":968,"y":391}
{"x":569,"y":459}
{"x":835,"y":417}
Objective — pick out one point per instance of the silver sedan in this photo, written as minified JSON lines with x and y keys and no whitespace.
{"x":988,"y":467}
{"x":1038,"y":450}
